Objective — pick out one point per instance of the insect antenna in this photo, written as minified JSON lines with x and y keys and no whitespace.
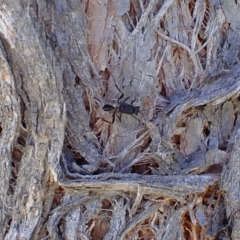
{"x":141,"y":110}
{"x":116,"y":84}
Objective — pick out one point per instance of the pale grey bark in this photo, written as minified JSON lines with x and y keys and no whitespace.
{"x":171,"y":172}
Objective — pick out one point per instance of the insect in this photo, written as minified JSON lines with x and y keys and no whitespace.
{"x":122,"y":107}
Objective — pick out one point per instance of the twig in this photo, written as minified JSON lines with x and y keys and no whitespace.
{"x":196,"y":64}
{"x":144,"y":17}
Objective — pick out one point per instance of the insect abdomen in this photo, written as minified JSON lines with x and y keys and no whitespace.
{"x":128,"y":109}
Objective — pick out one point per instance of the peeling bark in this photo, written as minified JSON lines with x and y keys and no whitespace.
{"x":170,"y":172}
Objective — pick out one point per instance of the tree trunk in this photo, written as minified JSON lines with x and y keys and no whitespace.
{"x":71,"y":169}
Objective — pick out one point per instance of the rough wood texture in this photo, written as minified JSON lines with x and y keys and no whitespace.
{"x":171,"y":172}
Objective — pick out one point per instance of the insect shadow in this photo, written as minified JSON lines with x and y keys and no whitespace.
{"x":122,"y":106}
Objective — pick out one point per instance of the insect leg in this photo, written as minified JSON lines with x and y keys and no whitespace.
{"x":133,"y":101}
{"x":105,"y":121}
{"x":134,"y":117}
{"x":126,"y":99}
{"x":120,"y":117}
{"x":120,"y":98}
{"x":113,"y":116}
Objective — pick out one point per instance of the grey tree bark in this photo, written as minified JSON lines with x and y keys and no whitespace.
{"x":169,"y":172}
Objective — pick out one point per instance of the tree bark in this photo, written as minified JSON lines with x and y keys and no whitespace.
{"x":169,"y":171}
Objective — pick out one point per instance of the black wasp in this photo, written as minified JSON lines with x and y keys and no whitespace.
{"x":122,"y":107}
